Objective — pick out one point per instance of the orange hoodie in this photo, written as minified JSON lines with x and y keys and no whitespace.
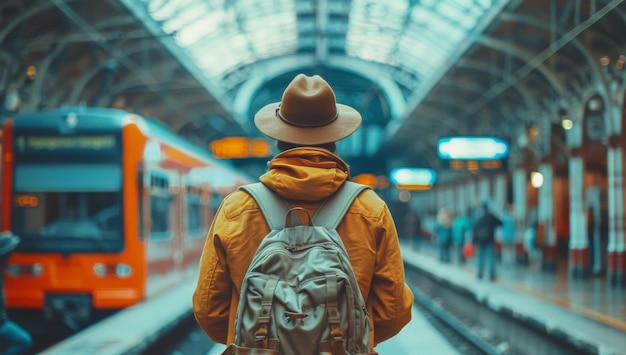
{"x":305,"y":177}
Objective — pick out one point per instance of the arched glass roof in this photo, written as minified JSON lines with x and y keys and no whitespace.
{"x":222,"y":35}
{"x":412,"y":41}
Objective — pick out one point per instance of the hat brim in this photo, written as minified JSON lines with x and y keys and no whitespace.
{"x":347,"y":122}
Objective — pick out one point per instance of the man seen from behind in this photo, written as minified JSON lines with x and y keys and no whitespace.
{"x":484,"y":239}
{"x":306,"y":124}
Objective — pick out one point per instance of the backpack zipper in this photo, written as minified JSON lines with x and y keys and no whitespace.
{"x":294,"y":248}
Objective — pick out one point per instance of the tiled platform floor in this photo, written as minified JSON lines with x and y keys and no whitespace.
{"x":588,"y":309}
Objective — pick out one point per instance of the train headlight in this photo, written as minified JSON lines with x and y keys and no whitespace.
{"x":18,"y":270}
{"x":120,"y":270}
{"x":99,"y":269}
{"x":123,"y":270}
{"x":13,"y":270}
{"x":37,"y":269}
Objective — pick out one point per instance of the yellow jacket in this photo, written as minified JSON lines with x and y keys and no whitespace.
{"x":305,"y":177}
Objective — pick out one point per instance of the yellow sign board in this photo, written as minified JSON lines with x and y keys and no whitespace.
{"x":240,"y":147}
{"x":260,"y":148}
{"x":26,"y":201}
{"x":379,"y":182}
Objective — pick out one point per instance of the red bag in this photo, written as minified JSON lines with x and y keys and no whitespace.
{"x":468,"y":250}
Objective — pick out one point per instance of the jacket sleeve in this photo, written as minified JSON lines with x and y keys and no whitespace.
{"x":212,"y":297}
{"x":391,"y":296}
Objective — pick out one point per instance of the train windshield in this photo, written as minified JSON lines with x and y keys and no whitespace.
{"x":68,"y":208}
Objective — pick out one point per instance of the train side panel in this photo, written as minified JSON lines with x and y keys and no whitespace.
{"x":111,"y":210}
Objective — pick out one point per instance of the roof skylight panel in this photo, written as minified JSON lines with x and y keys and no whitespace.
{"x":221,"y":56}
{"x":193,"y":34}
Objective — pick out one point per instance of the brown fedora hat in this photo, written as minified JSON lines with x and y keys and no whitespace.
{"x":308,"y":114}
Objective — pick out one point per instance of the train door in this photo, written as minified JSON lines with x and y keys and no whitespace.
{"x":195,"y":224}
{"x":178,"y":228}
{"x":143,"y":201}
{"x":161,"y":232}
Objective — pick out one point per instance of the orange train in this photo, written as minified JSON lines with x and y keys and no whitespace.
{"x":111,"y":209}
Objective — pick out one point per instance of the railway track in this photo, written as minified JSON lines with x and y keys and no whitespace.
{"x":475,"y":326}
{"x":463,"y":333}
{"x":186,"y":339}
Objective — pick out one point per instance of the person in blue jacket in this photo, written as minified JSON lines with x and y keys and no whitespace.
{"x":461,"y":231}
{"x":443,"y":233}
{"x":484,"y":239}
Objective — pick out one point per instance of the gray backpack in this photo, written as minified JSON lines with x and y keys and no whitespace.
{"x":299,"y":295}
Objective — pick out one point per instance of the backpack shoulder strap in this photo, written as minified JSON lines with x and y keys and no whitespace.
{"x":274,"y":207}
{"x":331,"y":212}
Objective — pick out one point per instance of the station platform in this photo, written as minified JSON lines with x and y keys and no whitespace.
{"x":588,"y":312}
{"x":132,"y":330}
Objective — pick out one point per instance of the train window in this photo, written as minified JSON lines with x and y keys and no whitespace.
{"x":160,"y":207}
{"x":216,"y":199}
{"x":69,"y":221}
{"x":68,"y":177}
{"x":194,"y":218}
{"x":68,"y":208}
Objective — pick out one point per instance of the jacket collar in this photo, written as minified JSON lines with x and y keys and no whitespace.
{"x":306,"y":174}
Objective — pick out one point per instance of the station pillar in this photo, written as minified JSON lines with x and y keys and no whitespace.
{"x":578,"y":244}
{"x":546,"y":219}
{"x":520,"y":197}
{"x":616,"y":250}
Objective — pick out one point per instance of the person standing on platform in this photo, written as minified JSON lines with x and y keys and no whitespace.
{"x":461,"y":232}
{"x":306,"y":124}
{"x":416,"y":231}
{"x":484,"y":240}
{"x":508,"y":237}
{"x":13,"y":339}
{"x":443,"y":233}
{"x":530,"y":236}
